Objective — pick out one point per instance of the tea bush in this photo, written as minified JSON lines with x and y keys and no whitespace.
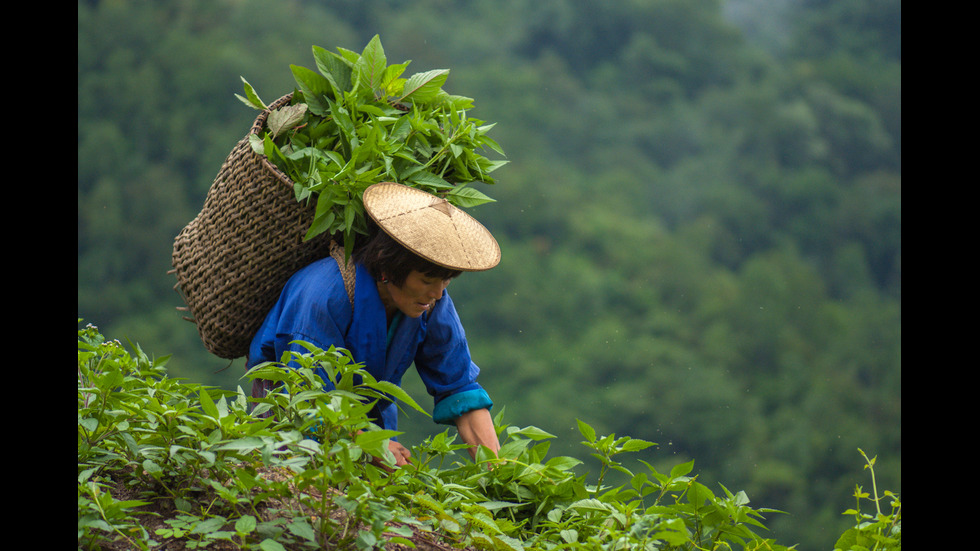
{"x":208,"y":457}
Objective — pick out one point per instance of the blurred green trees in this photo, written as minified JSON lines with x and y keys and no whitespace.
{"x":700,"y":223}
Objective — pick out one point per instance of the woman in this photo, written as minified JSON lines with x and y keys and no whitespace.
{"x":400,"y":312}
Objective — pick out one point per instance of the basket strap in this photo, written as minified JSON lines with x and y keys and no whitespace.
{"x":347,"y":269}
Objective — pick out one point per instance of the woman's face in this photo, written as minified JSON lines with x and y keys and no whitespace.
{"x":416,"y":296}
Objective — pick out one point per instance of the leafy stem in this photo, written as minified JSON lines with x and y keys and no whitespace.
{"x":874,"y":484}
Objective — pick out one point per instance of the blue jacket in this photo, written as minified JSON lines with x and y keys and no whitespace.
{"x":314,"y":307}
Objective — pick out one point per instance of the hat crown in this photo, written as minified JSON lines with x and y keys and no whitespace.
{"x":442,"y":206}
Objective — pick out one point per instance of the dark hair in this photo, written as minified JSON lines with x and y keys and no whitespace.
{"x":381,"y":254}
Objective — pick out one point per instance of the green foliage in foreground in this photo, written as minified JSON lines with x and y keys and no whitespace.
{"x":203,"y":451}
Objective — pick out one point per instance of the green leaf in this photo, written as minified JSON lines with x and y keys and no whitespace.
{"x":343,"y":119}
{"x":467,"y":197}
{"x":208,"y":525}
{"x":428,"y":179}
{"x":682,"y":470}
{"x":321,"y":223}
{"x":491,"y":143}
{"x":245,"y":525}
{"x":370,"y":67}
{"x":369,"y":439}
{"x":424,"y":87}
{"x":590,"y":505}
{"x":390,"y":82}
{"x":348,"y":219}
{"x":333,"y":68}
{"x":248,"y":443}
{"x":315,"y":88}
{"x":270,"y":545}
{"x":396,"y":391}
{"x":587,"y":431}
{"x":89,"y":423}
{"x":346,"y":170}
{"x":513,"y":449}
{"x":448,"y":101}
{"x":400,"y":130}
{"x":273,"y":153}
{"x":285,"y":118}
{"x":487,"y":166}
{"x":495,"y":505}
{"x":366,"y":540}
{"x":698,"y":493}
{"x":534,"y":433}
{"x":302,"y":529}
{"x":207,"y":404}
{"x":563,"y":463}
{"x":258,"y":146}
{"x":152,"y":468}
{"x":848,"y":540}
{"x":635,"y":444}
{"x":251,"y":99}
{"x":675,"y":533}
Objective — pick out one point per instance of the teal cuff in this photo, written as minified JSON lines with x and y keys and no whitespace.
{"x":453,"y":406}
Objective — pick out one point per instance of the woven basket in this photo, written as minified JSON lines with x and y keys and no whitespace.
{"x":234,"y":258}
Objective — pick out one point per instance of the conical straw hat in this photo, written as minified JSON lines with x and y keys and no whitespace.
{"x":431,"y":227}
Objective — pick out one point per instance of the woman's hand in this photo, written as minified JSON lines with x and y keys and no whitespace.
{"x":400,"y":452}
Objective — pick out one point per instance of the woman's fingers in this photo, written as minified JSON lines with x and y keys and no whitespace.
{"x":401,"y":453}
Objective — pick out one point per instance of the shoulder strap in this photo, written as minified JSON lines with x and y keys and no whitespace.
{"x":347,"y":269}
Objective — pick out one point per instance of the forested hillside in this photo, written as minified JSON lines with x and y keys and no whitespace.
{"x":700,"y":221}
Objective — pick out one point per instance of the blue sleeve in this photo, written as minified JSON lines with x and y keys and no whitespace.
{"x":444,"y":364}
{"x":312,"y":307}
{"x":454,"y":405}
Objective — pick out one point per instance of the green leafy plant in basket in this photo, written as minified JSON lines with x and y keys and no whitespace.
{"x":356,"y":121}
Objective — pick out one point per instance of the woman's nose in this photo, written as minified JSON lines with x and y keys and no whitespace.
{"x":435,"y":291}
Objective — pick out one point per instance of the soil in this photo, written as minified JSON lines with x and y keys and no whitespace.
{"x":155,"y":515}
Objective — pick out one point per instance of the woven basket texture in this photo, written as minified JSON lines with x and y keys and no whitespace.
{"x":234,"y":258}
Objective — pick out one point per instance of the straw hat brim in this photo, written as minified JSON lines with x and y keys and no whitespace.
{"x":431,"y":227}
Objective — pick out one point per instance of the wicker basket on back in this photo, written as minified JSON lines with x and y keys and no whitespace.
{"x":234,"y":258}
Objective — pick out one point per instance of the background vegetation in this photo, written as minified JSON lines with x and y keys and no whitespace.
{"x":700,"y":222}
